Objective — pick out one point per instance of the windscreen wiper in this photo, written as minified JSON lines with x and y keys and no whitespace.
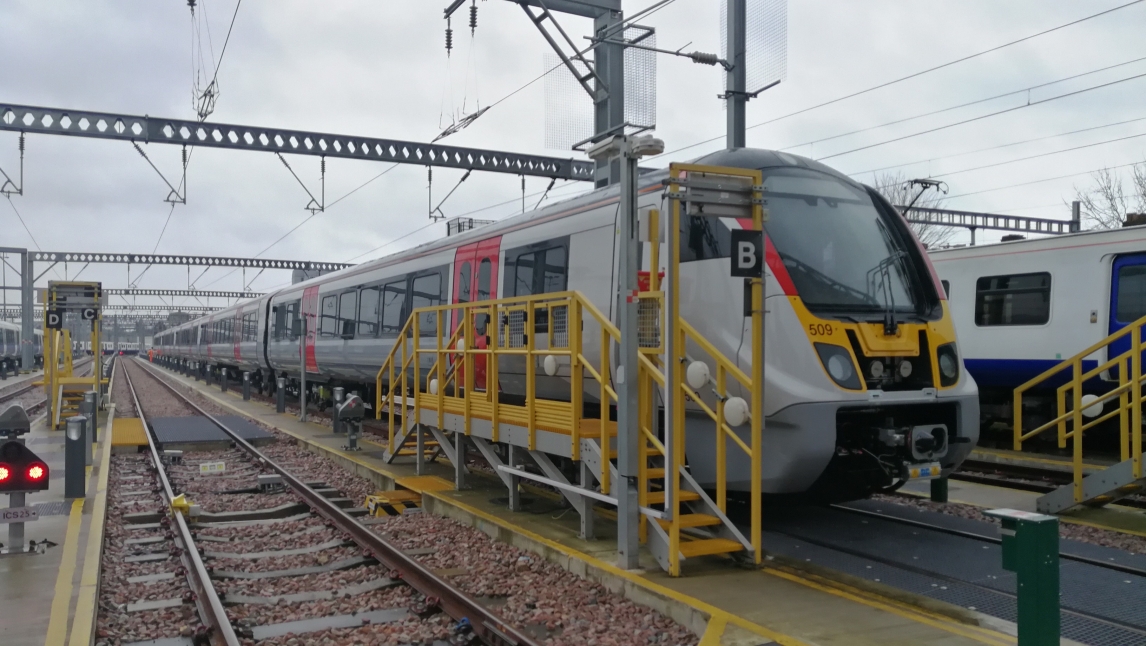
{"x":828,"y":280}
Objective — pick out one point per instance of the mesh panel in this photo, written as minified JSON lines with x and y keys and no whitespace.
{"x":515,"y":333}
{"x":641,"y":78}
{"x":568,"y":108}
{"x":560,"y":323}
{"x":649,"y":322}
{"x":766,"y":41}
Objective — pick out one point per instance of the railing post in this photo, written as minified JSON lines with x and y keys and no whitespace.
{"x":721,"y":442}
{"x":419,"y":437}
{"x":1017,"y":411}
{"x":468,"y":366}
{"x":491,"y":379}
{"x":1076,"y":414}
{"x":758,"y":384}
{"x":531,"y":374}
{"x":576,"y":375}
{"x":1123,"y":404}
{"x":1136,"y":420}
{"x":1061,"y":401}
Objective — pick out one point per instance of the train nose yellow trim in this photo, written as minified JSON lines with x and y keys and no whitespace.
{"x":876,"y":344}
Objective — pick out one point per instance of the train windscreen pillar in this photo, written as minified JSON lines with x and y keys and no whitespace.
{"x":280,"y":395}
{"x":246,"y":386}
{"x":75,"y":476}
{"x":1030,"y":550}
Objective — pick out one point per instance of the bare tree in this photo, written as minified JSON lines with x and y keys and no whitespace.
{"x":897,"y":188}
{"x":1105,"y":204}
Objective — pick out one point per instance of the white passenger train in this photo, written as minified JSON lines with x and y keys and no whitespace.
{"x":11,"y":347}
{"x":1021,"y":307}
{"x":862,"y":365}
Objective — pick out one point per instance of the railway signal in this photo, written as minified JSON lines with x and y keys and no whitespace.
{"x":21,"y":470}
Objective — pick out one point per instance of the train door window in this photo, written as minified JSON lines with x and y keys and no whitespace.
{"x":294,"y":321}
{"x":279,"y":322}
{"x":946,"y":288}
{"x":465,"y":280}
{"x":393,"y":306}
{"x":328,"y":324}
{"x":523,"y":274}
{"x":1131,"y":304}
{"x":369,"y":311}
{"x":485,"y":271}
{"x":347,"y":314}
{"x":426,"y":291}
{"x":553,"y":278}
{"x":1021,"y":299}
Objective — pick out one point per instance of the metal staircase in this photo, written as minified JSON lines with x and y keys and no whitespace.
{"x":1078,"y":412}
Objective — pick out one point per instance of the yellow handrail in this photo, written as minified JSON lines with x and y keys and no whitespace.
{"x":1069,"y":419}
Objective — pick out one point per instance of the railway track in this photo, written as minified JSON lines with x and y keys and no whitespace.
{"x":1025,"y":478}
{"x":391,"y":588}
{"x":285,"y":563}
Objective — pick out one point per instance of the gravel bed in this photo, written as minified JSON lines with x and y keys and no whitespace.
{"x":530,"y":591}
{"x":1073,"y":531}
{"x":130,"y":474}
{"x":153,"y":396}
{"x":291,"y":585}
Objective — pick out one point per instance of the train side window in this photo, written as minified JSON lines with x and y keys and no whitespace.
{"x":1020,"y":299}
{"x":347,"y":314}
{"x":393,"y":306}
{"x":279,"y":325}
{"x":523,"y":274}
{"x":1131,"y":303}
{"x":946,"y":288}
{"x":426,"y":291}
{"x":369,"y":311}
{"x":553,"y":278}
{"x":465,"y":276}
{"x":485,"y":270}
{"x":328,"y":324}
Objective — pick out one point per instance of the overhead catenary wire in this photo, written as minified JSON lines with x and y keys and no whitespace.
{"x":1000,"y":146}
{"x":1025,"y":90}
{"x":1041,"y":181}
{"x":909,"y":76}
{"x":1039,"y":155}
{"x":982,"y":116}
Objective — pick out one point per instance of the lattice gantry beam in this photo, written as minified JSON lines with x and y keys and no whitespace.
{"x":194,"y":261}
{"x":995,"y":221}
{"x":189,"y":293}
{"x":102,"y":125}
{"x":14,"y":312}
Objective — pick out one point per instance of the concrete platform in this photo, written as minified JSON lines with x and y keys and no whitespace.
{"x":779,"y":603}
{"x":49,"y":599}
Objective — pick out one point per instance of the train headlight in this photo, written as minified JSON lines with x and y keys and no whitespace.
{"x":838,"y":362}
{"x":948,"y":364}
{"x":905,"y":368}
{"x":877,"y":368}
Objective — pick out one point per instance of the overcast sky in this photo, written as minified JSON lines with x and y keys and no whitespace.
{"x":379,"y":68}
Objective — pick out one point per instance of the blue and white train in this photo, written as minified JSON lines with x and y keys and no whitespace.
{"x":1022,"y":307}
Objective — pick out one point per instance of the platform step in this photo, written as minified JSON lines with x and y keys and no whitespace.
{"x":689,"y":549}
{"x":658,"y":497}
{"x":1098,"y":489}
{"x":692,"y":520}
{"x":655,"y":474}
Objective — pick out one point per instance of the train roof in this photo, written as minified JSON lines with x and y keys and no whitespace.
{"x":756,"y":158}
{"x":1096,"y":237}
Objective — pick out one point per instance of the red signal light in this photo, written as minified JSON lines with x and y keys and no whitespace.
{"x":37,"y":472}
{"x":5,"y":474}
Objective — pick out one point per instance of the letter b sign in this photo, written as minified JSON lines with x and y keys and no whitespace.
{"x":747,"y":254}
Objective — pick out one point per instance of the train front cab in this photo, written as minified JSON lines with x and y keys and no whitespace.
{"x":865,"y":386}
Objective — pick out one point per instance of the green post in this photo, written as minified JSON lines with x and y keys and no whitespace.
{"x":939,"y":490}
{"x":1030,"y":550}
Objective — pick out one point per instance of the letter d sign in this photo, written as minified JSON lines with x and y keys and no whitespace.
{"x":747,"y":254}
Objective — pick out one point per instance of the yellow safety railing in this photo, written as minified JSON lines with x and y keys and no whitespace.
{"x":1070,"y":406}
{"x":529,"y":329}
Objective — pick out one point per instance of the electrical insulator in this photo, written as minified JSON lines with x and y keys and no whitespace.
{"x":449,"y":38}
{"x":191,"y":3}
{"x":21,"y":142}
{"x":324,"y":165}
{"x":473,"y":17}
{"x":185,"y":156}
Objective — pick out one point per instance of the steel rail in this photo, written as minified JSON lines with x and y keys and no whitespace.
{"x":1125,"y":569}
{"x":206,"y":598}
{"x":487,"y":626}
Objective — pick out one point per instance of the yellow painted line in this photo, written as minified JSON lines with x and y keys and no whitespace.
{"x":1018,"y":458}
{"x":714,"y":632}
{"x":62,"y":601}
{"x":81,"y":633}
{"x":976,"y":633}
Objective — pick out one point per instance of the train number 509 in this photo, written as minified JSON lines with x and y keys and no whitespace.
{"x":819,"y":329}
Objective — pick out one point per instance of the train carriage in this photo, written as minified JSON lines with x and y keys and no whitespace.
{"x":862,"y":365}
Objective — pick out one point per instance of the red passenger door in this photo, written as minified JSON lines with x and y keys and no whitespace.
{"x":475,"y":279}
{"x":310,"y":320}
